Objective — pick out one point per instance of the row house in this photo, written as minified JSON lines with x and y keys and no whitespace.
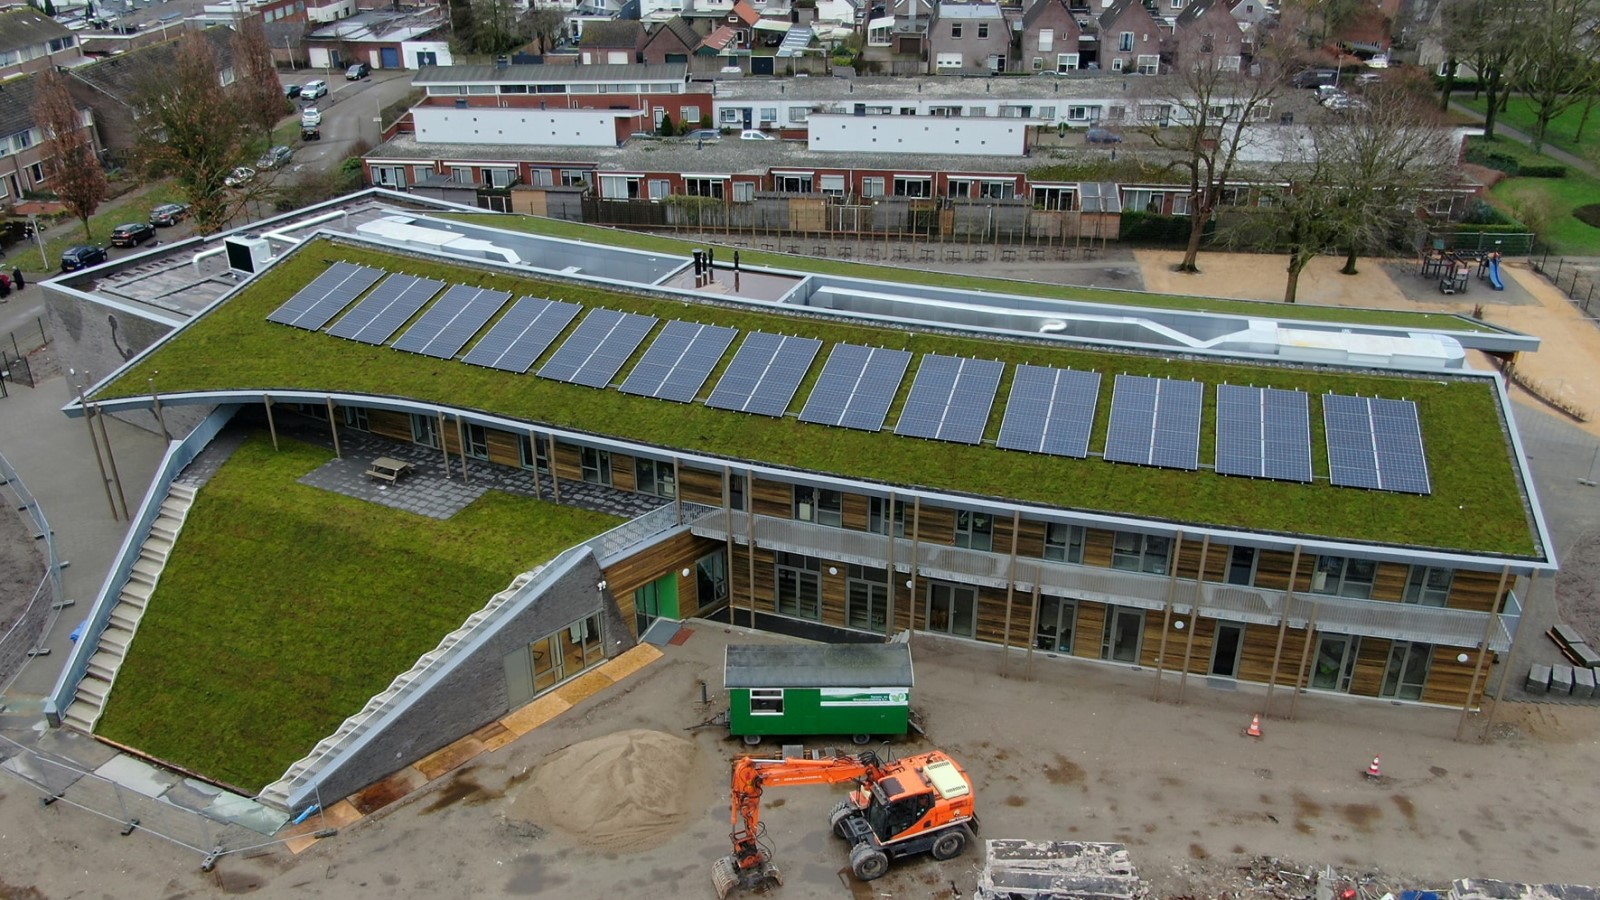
{"x":31,"y":41}
{"x":969,"y":38}
{"x":1056,"y":38}
{"x":23,"y":146}
{"x":1132,"y":36}
{"x":612,"y":43}
{"x":114,"y":87}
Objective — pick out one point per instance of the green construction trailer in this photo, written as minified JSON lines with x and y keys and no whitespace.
{"x":860,"y":690}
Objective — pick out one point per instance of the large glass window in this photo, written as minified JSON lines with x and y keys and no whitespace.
{"x":1408,"y":670}
{"x":952,"y":609}
{"x":1063,"y":542}
{"x":736,"y":490}
{"x":974,"y":530}
{"x":711,"y":580}
{"x":1429,"y":586}
{"x":654,"y":476}
{"x":879,"y":517}
{"x":1058,"y":618}
{"x":799,"y":585}
{"x":1242,"y":566}
{"x":867,"y":599}
{"x":1140,"y":552}
{"x":477,"y":441}
{"x":596,"y":466}
{"x":1344,"y":577}
{"x":534,"y":453}
{"x":819,"y":505}
{"x":425,"y":430}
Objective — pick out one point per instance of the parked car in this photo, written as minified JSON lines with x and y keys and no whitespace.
{"x":275,"y":157}
{"x":169,"y":214}
{"x":1312,"y":78}
{"x":704,"y":134}
{"x":310,"y":117}
{"x":1102,"y":136}
{"x":750,"y":134}
{"x":357,"y":72}
{"x":310,"y":134}
{"x":239,"y":177}
{"x":1378,"y":62}
{"x":82,"y":257}
{"x":131,"y":234}
{"x":291,"y":91}
{"x":314,"y":89}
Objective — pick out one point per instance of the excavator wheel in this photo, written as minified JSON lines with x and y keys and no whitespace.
{"x":949,"y":845}
{"x":868,"y":862}
{"x":842,"y":810}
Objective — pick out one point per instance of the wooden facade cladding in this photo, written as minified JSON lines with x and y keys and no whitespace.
{"x":1476,"y":591}
{"x":700,"y":485}
{"x":567,"y":462}
{"x":935,"y":525}
{"x":1097,"y":548}
{"x":773,"y":498}
{"x":392,"y":425}
{"x":671,"y":556}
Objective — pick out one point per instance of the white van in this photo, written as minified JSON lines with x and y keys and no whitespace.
{"x":750,"y":134}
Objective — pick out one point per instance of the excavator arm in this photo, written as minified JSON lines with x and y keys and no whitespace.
{"x":750,"y":865}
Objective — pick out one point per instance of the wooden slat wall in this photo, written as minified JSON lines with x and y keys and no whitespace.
{"x":774,"y":498}
{"x":1205,"y":631}
{"x":1260,"y":643}
{"x":568,"y":463}
{"x":833,"y":593}
{"x":392,"y":425}
{"x":1449,"y":680}
{"x":992,"y":614}
{"x":903,"y":600}
{"x":1272,"y":569}
{"x":1216,"y":560}
{"x":622,"y":475}
{"x":672,"y":555}
{"x":935,"y":525}
{"x":855,"y":512}
{"x":1475,"y":590}
{"x":1390,"y":582}
{"x":505,"y":448}
{"x":1097,"y":551}
{"x":450,"y":437}
{"x":700,"y":486}
{"x":1371,"y":662}
{"x":1091,"y":631}
{"x":1031,"y":542}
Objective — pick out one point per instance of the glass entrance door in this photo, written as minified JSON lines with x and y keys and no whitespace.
{"x":1056,"y":620}
{"x":1225,"y":650}
{"x":1336,"y":662}
{"x":1124,"y":628}
{"x":1408,"y":670}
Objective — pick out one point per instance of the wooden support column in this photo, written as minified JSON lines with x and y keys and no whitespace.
{"x":444,"y":447}
{"x":555,"y":480}
{"x":1194,"y":614}
{"x":1033,"y":622}
{"x":894,"y":577}
{"x":1166,"y":615}
{"x":1283,"y":626}
{"x":111,"y":460}
{"x":1483,"y":648}
{"x":1305,"y":660}
{"x":727,"y":527}
{"x":1511,"y":658}
{"x":333,"y":428}
{"x":533,"y":451}
{"x":677,"y":490}
{"x":99,"y":461}
{"x":461,"y":445}
{"x":916,"y":554}
{"x":1011,"y":590}
{"x":750,"y":545}
{"x":272,"y":426}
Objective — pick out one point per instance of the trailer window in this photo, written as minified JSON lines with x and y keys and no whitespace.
{"x":766,"y":702}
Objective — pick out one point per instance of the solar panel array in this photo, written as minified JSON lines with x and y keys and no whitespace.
{"x":950,"y":399}
{"x":318,"y":302}
{"x":856,"y":387}
{"x":1375,"y":443}
{"x":1263,"y":433}
{"x":764,"y":374}
{"x":380,"y":315}
{"x":679,"y":361}
{"x":595,"y":352}
{"x":447,"y":326}
{"x":522,"y":334}
{"x":1155,"y":422}
{"x":1050,"y":411}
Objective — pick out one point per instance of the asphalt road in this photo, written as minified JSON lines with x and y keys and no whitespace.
{"x":349,"y":113}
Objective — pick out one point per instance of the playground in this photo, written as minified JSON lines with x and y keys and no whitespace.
{"x":1453,"y":269}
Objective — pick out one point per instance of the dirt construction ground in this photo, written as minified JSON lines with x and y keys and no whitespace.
{"x":1058,"y":748}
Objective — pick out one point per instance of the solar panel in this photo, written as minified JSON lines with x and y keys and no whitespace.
{"x":856,"y":387}
{"x":522,"y":334}
{"x":764,"y":374}
{"x":313,"y":305}
{"x":679,"y":361}
{"x":597,"y":349}
{"x":1263,"y":433}
{"x":377,"y":318}
{"x":1375,"y":443}
{"x":1155,"y":422}
{"x":447,"y":326}
{"x":1050,"y":411}
{"x":950,"y":399}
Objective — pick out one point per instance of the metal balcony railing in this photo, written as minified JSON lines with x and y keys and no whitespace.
{"x":1344,"y":615}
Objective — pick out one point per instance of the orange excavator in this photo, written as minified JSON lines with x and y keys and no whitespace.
{"x":920,"y":804}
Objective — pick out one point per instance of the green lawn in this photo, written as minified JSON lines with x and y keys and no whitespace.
{"x":642,"y":241}
{"x":284,"y":608}
{"x":1566,"y":233}
{"x":1562,"y":131}
{"x":1476,"y":503}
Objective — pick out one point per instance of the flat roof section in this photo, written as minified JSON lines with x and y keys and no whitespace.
{"x":817,"y":666}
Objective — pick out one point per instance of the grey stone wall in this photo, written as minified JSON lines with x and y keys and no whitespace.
{"x":94,"y":339}
{"x":474,"y":693}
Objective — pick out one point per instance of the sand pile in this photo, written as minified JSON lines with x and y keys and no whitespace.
{"x":628,"y":790}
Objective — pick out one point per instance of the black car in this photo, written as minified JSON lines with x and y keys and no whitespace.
{"x":132,"y":234}
{"x":82,"y":257}
{"x":357,"y":72}
{"x":168,"y":214}
{"x":291,"y":91}
{"x":1314,"y":78}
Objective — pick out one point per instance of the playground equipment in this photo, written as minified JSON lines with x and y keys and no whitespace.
{"x":1452,"y":268}
{"x":1489,"y":269}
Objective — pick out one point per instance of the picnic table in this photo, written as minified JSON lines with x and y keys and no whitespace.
{"x":389,"y":469}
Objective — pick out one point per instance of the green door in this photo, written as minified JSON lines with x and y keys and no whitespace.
{"x":658,"y":599}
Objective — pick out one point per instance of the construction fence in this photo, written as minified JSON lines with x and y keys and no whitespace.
{"x":1579,"y":280}
{"x":15,"y":366}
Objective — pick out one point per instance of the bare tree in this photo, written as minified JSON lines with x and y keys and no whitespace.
{"x":1557,"y":68}
{"x":256,"y":87}
{"x":546,"y":24}
{"x":1485,"y":34}
{"x":191,"y":129}
{"x":72,"y":167}
{"x":1213,"y":99}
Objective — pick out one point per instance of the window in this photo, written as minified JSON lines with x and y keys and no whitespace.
{"x":1052,"y":198}
{"x":1149,"y":64}
{"x":1063,"y":542}
{"x":1180,"y":204}
{"x":425,"y":430}
{"x":501,"y":178}
{"x":22,"y":140}
{"x":736,"y":491}
{"x":769,"y":115}
{"x":878,"y":517}
{"x":1228,"y":63}
{"x":744,"y":191}
{"x":833,"y":185}
{"x":866,"y":602}
{"x":596,"y":466}
{"x":1047,"y":40}
{"x":534,"y":453}
{"x":1047,"y":112}
{"x":1057,"y":618}
{"x":983,"y":31}
{"x":477,"y":441}
{"x":732,"y":116}
{"x":1116,"y":64}
{"x":356,"y":417}
{"x":1140,"y":552}
{"x":766,"y":701}
{"x":799,"y":586}
{"x":792,"y":184}
{"x":1429,"y":586}
{"x":461,"y":175}
{"x":1038,"y":63}
{"x":689,"y":115}
{"x":711,"y":580}
{"x":798,"y":114}
{"x":1144,"y":200}
{"x":1066,"y":62}
{"x":952,"y":609}
{"x":654,"y":476}
{"x":974,"y":530}
{"x":913,"y":186}
{"x":421,"y":173}
{"x":949,"y":112}
{"x":955,"y":31}
{"x":819,"y":505}
{"x":1242,"y":566}
{"x":703,"y":187}
{"x":621,"y":187}
{"x":872,"y":187}
{"x":1125,"y":41}
{"x":574,"y":178}
{"x":660,"y":188}
{"x":1344,"y":577}
{"x":1408,"y":670}
{"x":1081,"y":113}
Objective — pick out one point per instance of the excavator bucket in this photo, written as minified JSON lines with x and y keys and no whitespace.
{"x":725,"y":875}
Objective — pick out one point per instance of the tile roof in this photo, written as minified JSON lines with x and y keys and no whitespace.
{"x":721,"y":38}
{"x":28,"y":28}
{"x":612,"y":34}
{"x":679,"y":28}
{"x":17,"y":96}
{"x":746,"y":13}
{"x":120,"y":77}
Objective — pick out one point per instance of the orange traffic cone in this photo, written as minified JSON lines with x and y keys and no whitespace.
{"x":1373,"y":771}
{"x":1255,"y":727}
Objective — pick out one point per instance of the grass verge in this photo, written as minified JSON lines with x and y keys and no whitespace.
{"x":1476,"y":503}
{"x":641,"y":241}
{"x":285,"y":607}
{"x":1562,"y":132}
{"x":1553,"y":200}
{"x":133,"y":206}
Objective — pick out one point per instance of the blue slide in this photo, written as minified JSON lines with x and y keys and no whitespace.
{"x":1494,"y":275}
